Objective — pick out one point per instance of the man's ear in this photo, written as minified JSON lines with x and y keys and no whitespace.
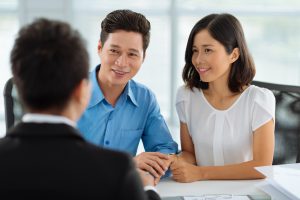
{"x":235,"y":54}
{"x":82,"y":93}
{"x":144,"y":56}
{"x":99,"y":47}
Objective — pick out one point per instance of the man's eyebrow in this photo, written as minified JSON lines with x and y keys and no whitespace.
{"x":134,"y":50}
{"x":131,"y":49}
{"x":115,"y":46}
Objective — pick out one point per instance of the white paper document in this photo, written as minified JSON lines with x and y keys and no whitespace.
{"x":284,"y":178}
{"x":272,"y":191}
{"x":217,"y":197}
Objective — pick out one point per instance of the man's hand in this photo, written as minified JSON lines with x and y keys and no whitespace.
{"x":185,"y":172}
{"x":153,"y":162}
{"x":172,"y":158}
{"x":146,"y":177}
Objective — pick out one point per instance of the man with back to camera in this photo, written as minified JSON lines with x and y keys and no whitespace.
{"x":44,"y":156}
{"x":122,"y":111}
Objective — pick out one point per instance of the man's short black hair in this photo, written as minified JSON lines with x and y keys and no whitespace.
{"x":48,"y":61}
{"x":126,"y":20}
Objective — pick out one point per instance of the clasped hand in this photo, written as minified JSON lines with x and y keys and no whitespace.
{"x":183,"y":171}
{"x":153,"y":162}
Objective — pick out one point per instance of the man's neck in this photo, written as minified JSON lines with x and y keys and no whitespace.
{"x":63,"y":112}
{"x":111,"y":92}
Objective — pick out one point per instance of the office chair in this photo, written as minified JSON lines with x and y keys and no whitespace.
{"x":287,"y":122}
{"x":12,"y":106}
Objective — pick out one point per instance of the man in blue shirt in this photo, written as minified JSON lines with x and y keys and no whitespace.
{"x":122,"y":111}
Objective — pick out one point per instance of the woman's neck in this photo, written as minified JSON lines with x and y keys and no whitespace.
{"x":220,"y":96}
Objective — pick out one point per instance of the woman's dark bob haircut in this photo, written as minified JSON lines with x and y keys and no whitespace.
{"x":227,"y":30}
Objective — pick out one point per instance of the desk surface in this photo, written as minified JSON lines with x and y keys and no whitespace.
{"x":167,"y":187}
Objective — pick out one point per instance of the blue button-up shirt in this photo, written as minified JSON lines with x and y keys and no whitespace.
{"x":135,"y":116}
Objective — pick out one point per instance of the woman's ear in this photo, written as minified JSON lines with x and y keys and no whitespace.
{"x":235,"y":54}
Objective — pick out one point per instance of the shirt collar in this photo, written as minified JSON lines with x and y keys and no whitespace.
{"x":97,"y":94}
{"x":45,"y":118}
{"x":130,"y":93}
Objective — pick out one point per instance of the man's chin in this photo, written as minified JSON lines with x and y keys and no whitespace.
{"x":119,"y":83}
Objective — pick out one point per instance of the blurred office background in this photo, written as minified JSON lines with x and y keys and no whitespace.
{"x":272,"y":29}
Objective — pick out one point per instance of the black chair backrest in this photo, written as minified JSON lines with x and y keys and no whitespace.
{"x":12,"y":107}
{"x":287,"y":122}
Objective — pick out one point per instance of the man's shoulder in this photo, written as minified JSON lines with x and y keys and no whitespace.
{"x":143,"y":95}
{"x":57,"y":134}
{"x":138,"y":87}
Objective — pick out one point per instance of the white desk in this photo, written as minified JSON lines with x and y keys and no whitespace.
{"x":167,"y":187}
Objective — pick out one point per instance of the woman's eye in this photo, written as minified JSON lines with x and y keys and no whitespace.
{"x":207,"y":50}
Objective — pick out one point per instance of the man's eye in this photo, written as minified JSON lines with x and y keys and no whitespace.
{"x":113,"y":51}
{"x":132,"y":54}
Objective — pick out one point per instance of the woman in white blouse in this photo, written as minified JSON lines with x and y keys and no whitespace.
{"x":226,"y":124}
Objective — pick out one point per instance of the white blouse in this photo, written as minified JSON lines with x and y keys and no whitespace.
{"x":223,"y":137}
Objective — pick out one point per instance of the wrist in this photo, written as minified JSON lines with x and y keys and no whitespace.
{"x":172,"y":157}
{"x":202,"y":173}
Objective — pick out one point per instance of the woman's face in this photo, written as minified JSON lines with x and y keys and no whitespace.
{"x":210,"y":58}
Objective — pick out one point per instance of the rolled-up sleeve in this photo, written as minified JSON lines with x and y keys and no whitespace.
{"x":156,"y":136}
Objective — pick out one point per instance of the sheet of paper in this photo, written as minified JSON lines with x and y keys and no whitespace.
{"x":284,"y":178}
{"x":217,"y":197}
{"x":272,"y":191}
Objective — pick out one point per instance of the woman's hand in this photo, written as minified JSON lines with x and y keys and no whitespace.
{"x":185,"y":172}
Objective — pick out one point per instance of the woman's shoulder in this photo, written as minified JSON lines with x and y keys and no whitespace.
{"x":260,"y":94}
{"x":183,"y":89}
{"x":260,"y":91}
{"x":184,"y":92}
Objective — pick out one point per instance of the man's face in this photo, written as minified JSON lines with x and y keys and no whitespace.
{"x":121,"y":57}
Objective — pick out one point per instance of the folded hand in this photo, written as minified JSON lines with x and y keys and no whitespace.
{"x":153,"y":162}
{"x":185,"y":172}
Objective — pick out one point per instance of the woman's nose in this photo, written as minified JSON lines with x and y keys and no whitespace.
{"x":198,"y":59}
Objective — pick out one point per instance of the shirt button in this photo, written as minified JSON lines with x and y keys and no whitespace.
{"x":107,"y":142}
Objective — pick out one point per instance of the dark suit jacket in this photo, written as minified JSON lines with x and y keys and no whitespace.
{"x":52,"y":161}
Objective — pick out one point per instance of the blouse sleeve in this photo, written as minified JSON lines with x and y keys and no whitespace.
{"x":264,"y":108}
{"x":180,"y":104}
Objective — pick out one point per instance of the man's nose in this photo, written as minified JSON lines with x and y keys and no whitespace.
{"x":122,"y":61}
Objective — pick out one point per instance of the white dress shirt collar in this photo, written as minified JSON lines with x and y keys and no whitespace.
{"x":45,"y":118}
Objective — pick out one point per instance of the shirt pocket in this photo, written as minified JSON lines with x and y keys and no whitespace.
{"x":130,"y":140}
